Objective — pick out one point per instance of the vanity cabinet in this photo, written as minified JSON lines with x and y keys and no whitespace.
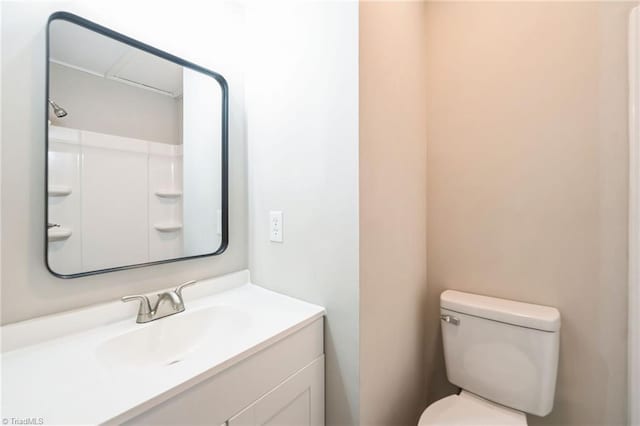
{"x":238,"y":355}
{"x":277,"y":385}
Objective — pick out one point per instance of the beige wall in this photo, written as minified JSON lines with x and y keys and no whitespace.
{"x":527,"y":180}
{"x":392,"y":212}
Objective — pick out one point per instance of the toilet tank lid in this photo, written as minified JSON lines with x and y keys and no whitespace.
{"x":539,"y":317}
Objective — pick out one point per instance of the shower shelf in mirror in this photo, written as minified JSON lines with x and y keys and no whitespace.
{"x":58,"y":234}
{"x":168,"y":227}
{"x":169,"y":193}
{"x":58,"y":190}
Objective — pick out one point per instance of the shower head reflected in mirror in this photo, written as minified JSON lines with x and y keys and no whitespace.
{"x":57,"y":109}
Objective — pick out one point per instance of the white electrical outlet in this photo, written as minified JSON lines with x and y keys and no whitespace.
{"x":275,"y":226}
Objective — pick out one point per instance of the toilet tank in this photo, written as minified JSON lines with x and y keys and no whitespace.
{"x":501,"y":350}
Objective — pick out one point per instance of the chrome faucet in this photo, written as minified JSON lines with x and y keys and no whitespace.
{"x":166,"y":304}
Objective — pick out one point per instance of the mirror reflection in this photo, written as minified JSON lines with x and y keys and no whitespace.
{"x":135,"y":155}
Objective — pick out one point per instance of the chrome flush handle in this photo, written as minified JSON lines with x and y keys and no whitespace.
{"x":450,"y":319}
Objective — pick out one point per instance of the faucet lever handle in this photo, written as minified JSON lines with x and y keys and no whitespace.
{"x":145,"y":305}
{"x":183,"y":285}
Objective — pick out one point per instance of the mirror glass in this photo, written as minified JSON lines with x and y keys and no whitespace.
{"x":136,"y":153}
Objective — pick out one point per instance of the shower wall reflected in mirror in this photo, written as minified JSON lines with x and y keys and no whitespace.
{"x":136,"y":153}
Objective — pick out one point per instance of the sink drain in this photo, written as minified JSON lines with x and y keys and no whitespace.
{"x":174,"y":362}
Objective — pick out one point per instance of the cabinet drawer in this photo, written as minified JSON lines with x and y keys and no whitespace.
{"x":298,"y":401}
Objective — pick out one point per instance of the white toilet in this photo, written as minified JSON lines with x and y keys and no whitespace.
{"x":504,"y":356}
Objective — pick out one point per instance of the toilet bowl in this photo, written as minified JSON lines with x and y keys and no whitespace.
{"x":502,"y":354}
{"x":467,"y":409}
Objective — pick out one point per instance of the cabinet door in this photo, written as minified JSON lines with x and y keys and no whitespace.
{"x":298,"y":401}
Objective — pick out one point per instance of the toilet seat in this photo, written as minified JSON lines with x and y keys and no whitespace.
{"x":468,"y":409}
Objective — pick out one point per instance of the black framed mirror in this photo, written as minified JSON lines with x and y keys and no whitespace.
{"x":136,"y":153}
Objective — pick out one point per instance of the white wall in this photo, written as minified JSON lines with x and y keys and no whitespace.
{"x":202,"y":106}
{"x":209,"y":35}
{"x":302,"y":100}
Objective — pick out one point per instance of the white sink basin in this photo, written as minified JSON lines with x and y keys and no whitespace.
{"x":169,"y":340}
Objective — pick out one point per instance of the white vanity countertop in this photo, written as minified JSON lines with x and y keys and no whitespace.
{"x":95,"y":364}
